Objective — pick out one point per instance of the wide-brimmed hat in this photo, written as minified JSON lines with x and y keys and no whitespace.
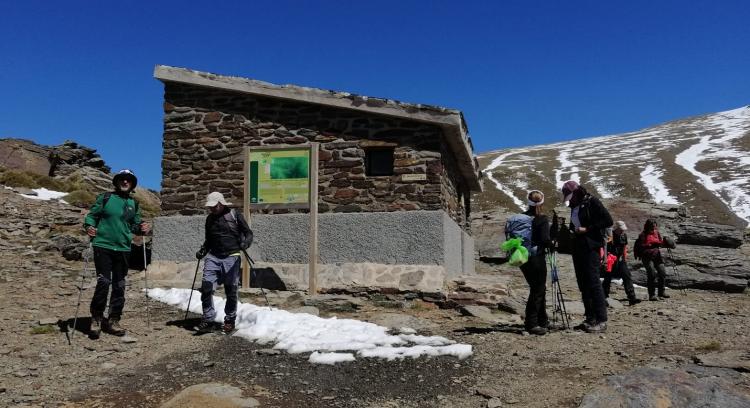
{"x":126,"y":174}
{"x":621,"y":226}
{"x":568,"y":188}
{"x":216,"y":198}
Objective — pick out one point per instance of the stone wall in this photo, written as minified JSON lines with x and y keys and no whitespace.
{"x":205,"y":131}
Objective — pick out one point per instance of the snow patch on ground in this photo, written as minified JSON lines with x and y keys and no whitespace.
{"x":327,"y":338}
{"x":651,"y":178}
{"x":507,"y":191}
{"x":732,"y":125}
{"x":44,"y":194}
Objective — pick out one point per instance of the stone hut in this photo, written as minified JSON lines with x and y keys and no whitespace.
{"x":395,"y":179}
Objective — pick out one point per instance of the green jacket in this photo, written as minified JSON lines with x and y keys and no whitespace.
{"x":115,"y":223}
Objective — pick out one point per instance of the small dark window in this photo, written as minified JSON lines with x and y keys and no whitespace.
{"x":379,"y":162}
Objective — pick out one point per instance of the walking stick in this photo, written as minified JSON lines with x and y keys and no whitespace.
{"x":197,"y":264}
{"x":145,"y":274}
{"x":86,"y":257}
{"x":676,"y":274}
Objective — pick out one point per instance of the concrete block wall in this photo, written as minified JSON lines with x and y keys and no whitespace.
{"x":428,"y":238}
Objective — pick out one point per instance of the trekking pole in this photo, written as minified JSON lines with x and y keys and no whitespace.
{"x":145,"y":275}
{"x":86,"y":257}
{"x":260,"y":284}
{"x":197,"y":264}
{"x":676,"y":274}
{"x":557,"y":290}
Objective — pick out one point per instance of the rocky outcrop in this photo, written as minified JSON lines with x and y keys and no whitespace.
{"x":716,"y":235}
{"x":684,"y":276}
{"x":691,"y":387}
{"x":61,"y":160}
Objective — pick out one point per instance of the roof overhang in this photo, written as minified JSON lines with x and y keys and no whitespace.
{"x":450,"y":120}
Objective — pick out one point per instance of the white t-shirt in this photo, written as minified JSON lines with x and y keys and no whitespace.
{"x":574,"y":216}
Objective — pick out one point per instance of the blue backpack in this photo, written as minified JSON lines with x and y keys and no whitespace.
{"x":519,"y":226}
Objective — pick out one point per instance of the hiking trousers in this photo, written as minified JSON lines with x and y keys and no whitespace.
{"x":620,"y":268}
{"x":657,"y":275}
{"x":586,"y":262}
{"x":535,"y":272}
{"x":220,"y":271}
{"x":111,"y":270}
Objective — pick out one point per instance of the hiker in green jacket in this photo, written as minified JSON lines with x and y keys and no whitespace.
{"x":111,"y":223}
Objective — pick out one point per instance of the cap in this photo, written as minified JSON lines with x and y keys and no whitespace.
{"x":568,"y":188}
{"x":216,"y":198}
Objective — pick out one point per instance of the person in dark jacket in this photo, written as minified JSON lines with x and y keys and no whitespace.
{"x":588,"y":221}
{"x":649,"y":242}
{"x":619,"y":248}
{"x":111,"y":222}
{"x":535,"y":270}
{"x":227,"y":235}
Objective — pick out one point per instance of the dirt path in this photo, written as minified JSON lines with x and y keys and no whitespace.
{"x":163,"y":358}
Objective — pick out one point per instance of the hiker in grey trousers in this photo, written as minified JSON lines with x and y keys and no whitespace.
{"x":227,"y":235}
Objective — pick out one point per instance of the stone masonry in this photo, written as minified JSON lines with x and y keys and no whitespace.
{"x":206,"y":129}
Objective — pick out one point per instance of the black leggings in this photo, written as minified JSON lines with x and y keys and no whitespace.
{"x":535,"y":272}
{"x":657,"y":274}
{"x":111,"y":270}
{"x":620,"y":268}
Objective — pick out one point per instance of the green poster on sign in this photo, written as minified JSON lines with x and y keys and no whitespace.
{"x":279,"y":176}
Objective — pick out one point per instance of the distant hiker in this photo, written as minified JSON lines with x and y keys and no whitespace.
{"x":535,"y":269}
{"x":111,"y":223}
{"x":618,"y":247}
{"x":227,"y":235}
{"x":588,"y":221}
{"x":647,"y":249}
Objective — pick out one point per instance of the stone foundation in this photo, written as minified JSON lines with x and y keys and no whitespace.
{"x":417,"y":278}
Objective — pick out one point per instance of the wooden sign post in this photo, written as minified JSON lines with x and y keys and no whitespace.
{"x":283,"y":177}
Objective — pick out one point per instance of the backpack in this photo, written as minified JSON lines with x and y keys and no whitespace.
{"x":519,"y":226}
{"x":234,"y":227}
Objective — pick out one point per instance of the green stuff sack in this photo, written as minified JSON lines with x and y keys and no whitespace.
{"x":519,"y":255}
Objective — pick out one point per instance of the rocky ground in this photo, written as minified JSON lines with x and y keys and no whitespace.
{"x":690,"y":350}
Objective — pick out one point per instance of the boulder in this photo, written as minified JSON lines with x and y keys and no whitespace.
{"x":735,"y":359}
{"x":689,"y":277}
{"x":715,"y":235}
{"x":691,"y":387}
{"x":712,"y":260}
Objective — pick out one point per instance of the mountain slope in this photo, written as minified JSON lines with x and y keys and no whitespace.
{"x":702,"y":163}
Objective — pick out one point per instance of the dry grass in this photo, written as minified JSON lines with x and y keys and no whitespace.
{"x":46,"y":329}
{"x":16,"y":178}
{"x":710,"y":346}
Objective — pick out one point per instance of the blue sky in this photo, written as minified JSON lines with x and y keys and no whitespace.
{"x":523,"y":72}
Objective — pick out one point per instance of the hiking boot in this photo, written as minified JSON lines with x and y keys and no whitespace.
{"x":205,"y":326}
{"x":112,"y":326}
{"x":228,"y":327}
{"x":538,"y":330}
{"x":597,"y":328}
{"x":653,"y":298}
{"x":96,"y":327}
{"x":633,"y":301}
{"x":664,"y":296}
{"x":583,"y":325}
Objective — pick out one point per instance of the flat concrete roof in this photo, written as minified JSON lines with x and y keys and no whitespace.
{"x":450,"y":120}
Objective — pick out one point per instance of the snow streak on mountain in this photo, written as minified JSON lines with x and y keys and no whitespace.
{"x":701,"y":162}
